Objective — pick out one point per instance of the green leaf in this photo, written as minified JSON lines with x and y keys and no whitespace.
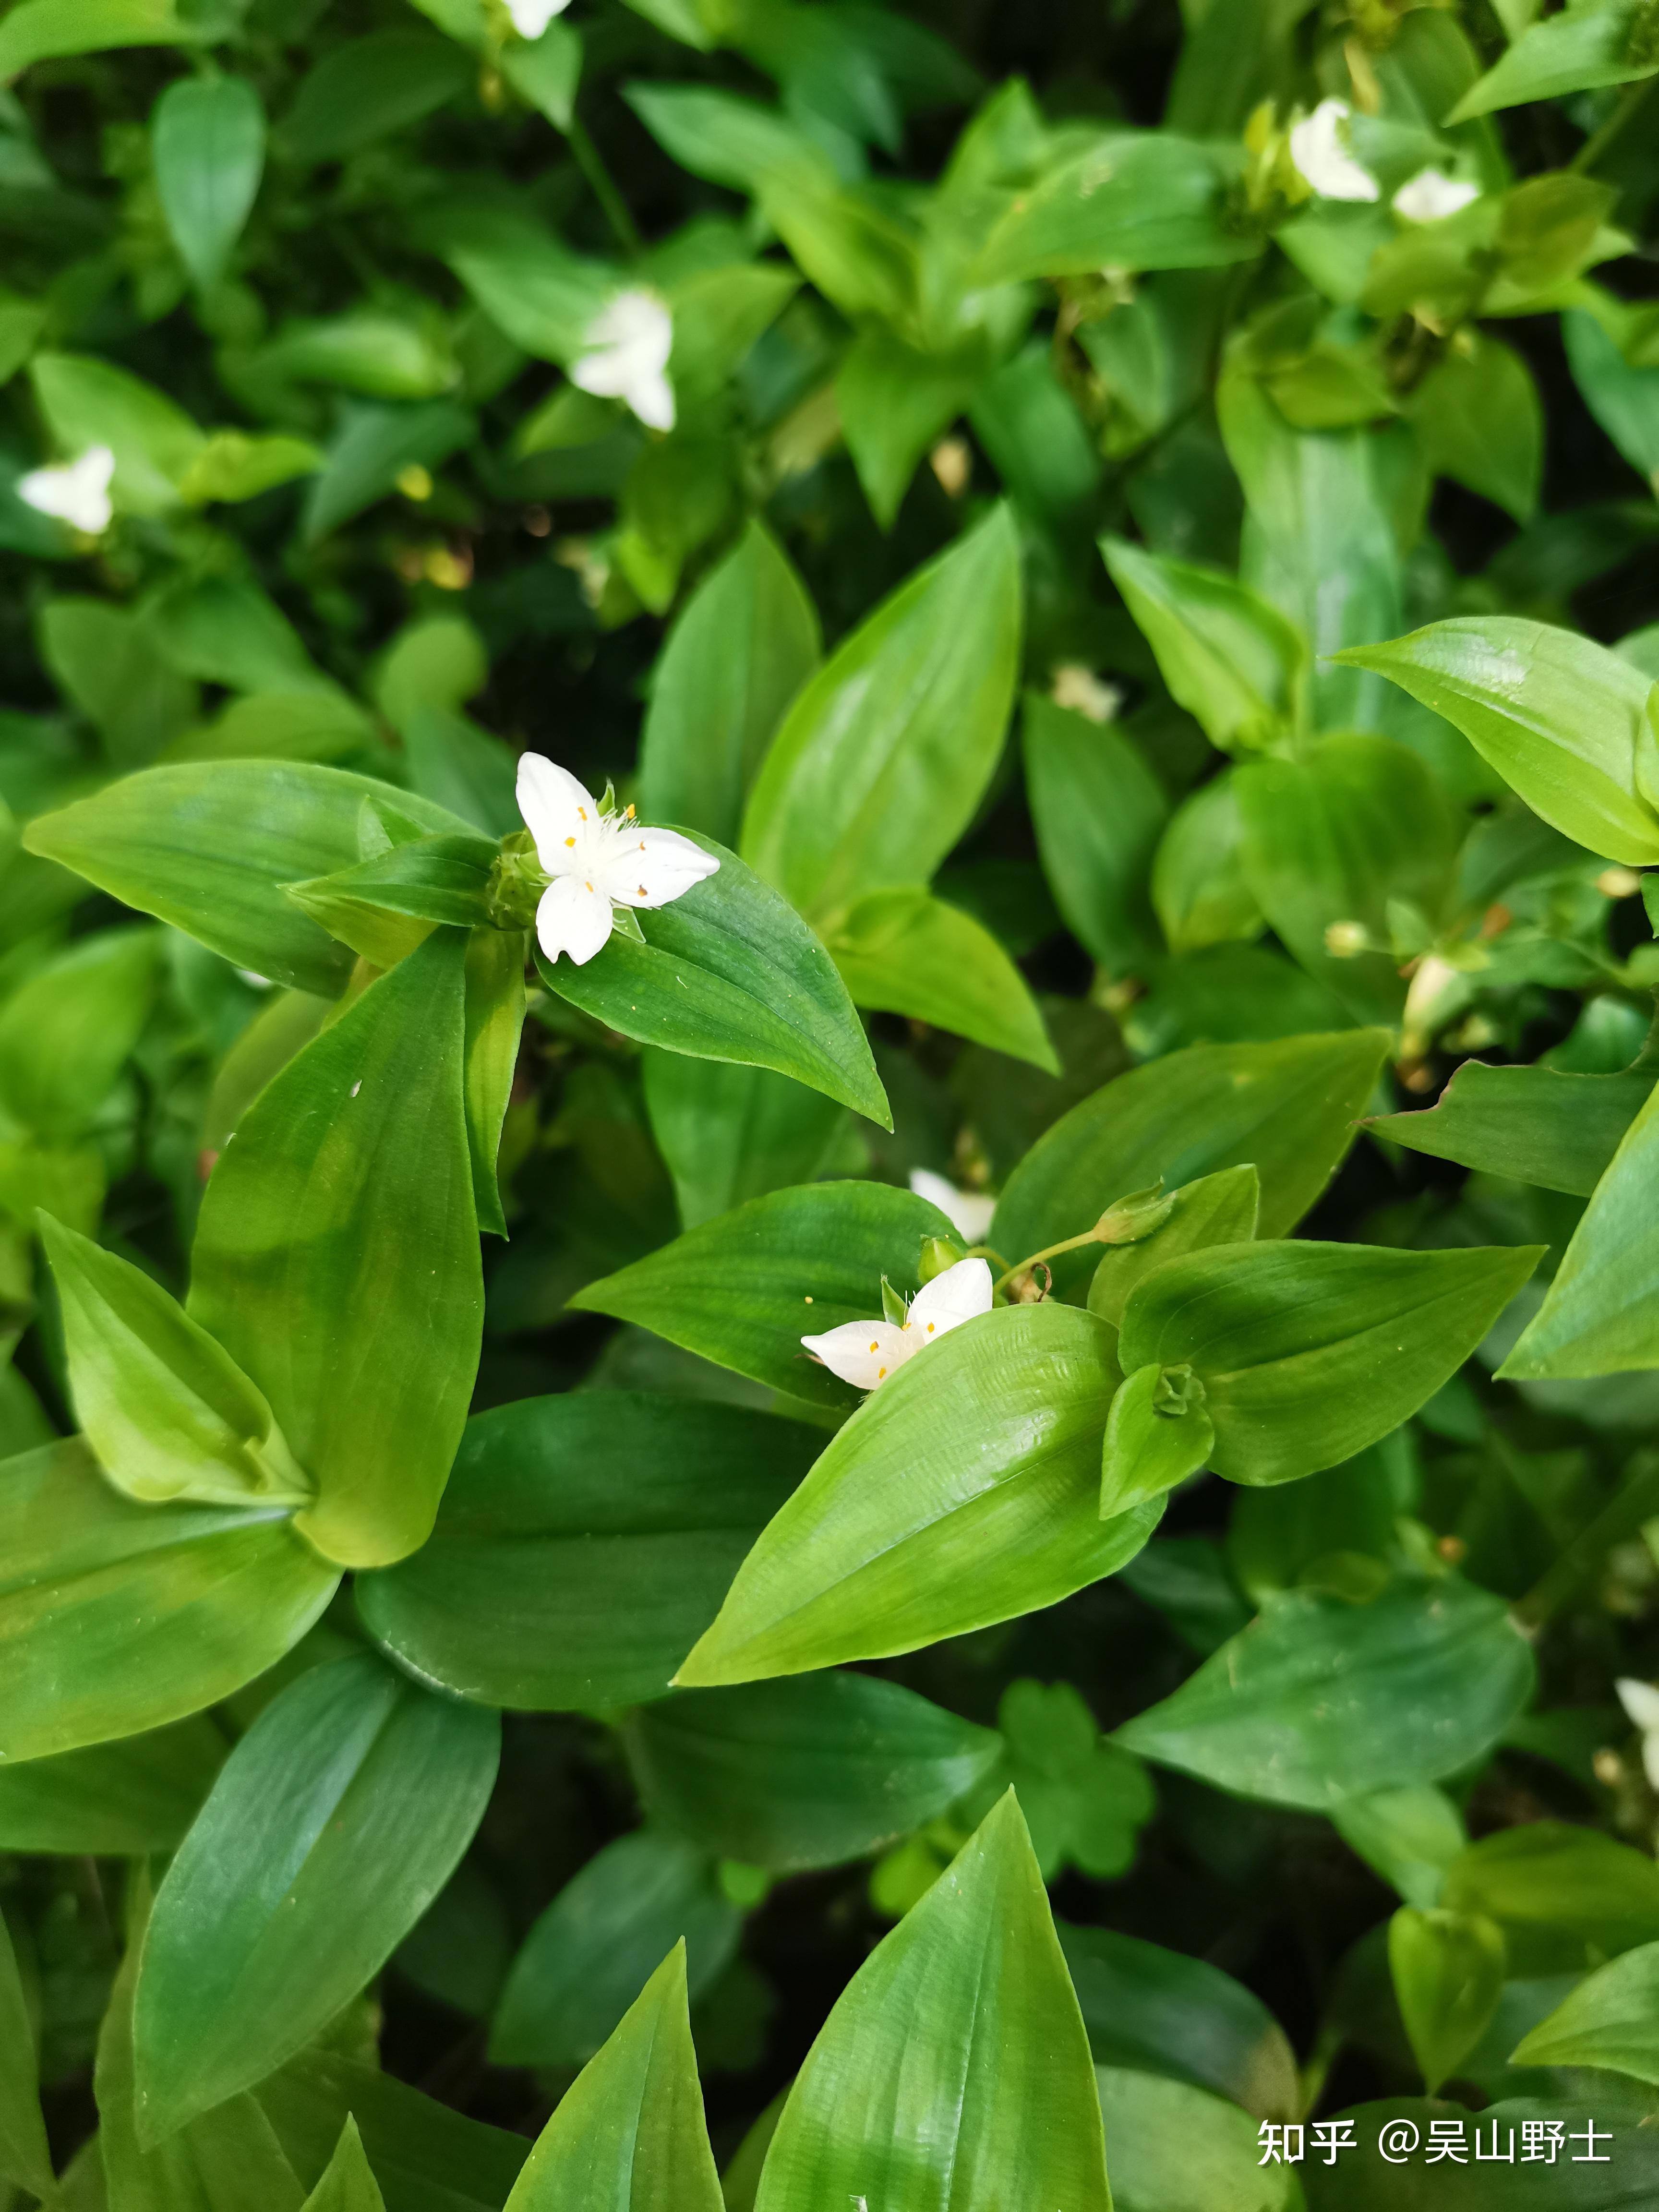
{"x":1157,"y":1433}
{"x":1566,"y":1897}
{"x":1330,"y":841}
{"x":808,"y":1772}
{"x":1084,"y":1799}
{"x":1289,"y":1106}
{"x":349,"y":2185}
{"x":67,"y":1031}
{"x":955,"y":2064}
{"x":746,"y":643}
{"x":24,"y":2157}
{"x":120,"y":672}
{"x":494,"y":1027}
{"x":882,"y":759}
{"x":1537,"y":1125}
{"x":584,"y":1543}
{"x":1098,"y":810}
{"x":629,"y":2135}
{"x":1170,"y":2147}
{"x":1197,"y":872}
{"x":427,"y":2157}
{"x":895,"y":402}
{"x":1217,"y":1209}
{"x":526,"y":281}
{"x":1589,"y":44}
{"x":334,"y":1822}
{"x":47,"y":30}
{"x":234,"y":466}
{"x":368,"y":87}
{"x":1133,"y":199}
{"x":116,"y":1617}
{"x":1448,"y":1970}
{"x":168,"y":1414}
{"x":1228,"y":657}
{"x":907,"y":953}
{"x":1409,"y":1837}
{"x":1480,"y":420}
{"x":588,"y":1956}
{"x":375,"y":444}
{"x":730,"y":971}
{"x":208,"y":148}
{"x":729,"y":1134}
{"x":1319,"y":1699}
{"x":88,"y":403}
{"x":210,"y":848}
{"x":336,"y":1257}
{"x":1309,"y":1353}
{"x":1557,"y":715}
{"x":1621,"y":391}
{"x":965,"y":1490}
{"x":123,"y":1800}
{"x":1611,"y":2019}
{"x":1167,"y":2014}
{"x":442,"y":878}
{"x":743,"y":1290}
{"x":545,"y":71}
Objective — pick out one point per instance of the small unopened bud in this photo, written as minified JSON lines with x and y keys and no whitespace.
{"x":1345,"y":940}
{"x":1177,"y":1391}
{"x":1126,"y":1220}
{"x":938,"y":1253}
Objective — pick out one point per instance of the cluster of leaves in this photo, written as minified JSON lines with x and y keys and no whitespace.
{"x":451,"y":1631}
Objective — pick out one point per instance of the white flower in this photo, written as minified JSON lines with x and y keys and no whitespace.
{"x":1320,"y":151}
{"x":78,"y":494}
{"x":625,"y":352}
{"x":1641,"y":1701}
{"x":968,"y":1212}
{"x":866,"y":1352}
{"x":598,"y":862}
{"x":531,"y":17}
{"x":1431,"y":194}
{"x":1077,"y":686}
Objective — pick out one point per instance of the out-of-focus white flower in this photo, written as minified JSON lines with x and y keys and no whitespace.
{"x":1641,"y":1702}
{"x":625,"y":351}
{"x":1074,"y":685}
{"x":77,"y":493}
{"x":1319,"y":148}
{"x":968,"y":1212}
{"x":866,"y":1352}
{"x":598,"y":862}
{"x":1431,"y":194}
{"x":531,"y":17}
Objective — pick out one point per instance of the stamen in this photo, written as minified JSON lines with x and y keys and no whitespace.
{"x":569,"y":840}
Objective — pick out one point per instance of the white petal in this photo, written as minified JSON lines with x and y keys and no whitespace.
{"x":625,"y":350}
{"x":862,"y":1352}
{"x":961,"y":1293}
{"x":1650,"y":1759}
{"x":970,"y":1212}
{"x":649,"y":867}
{"x":78,"y":494}
{"x":561,"y":814}
{"x":531,"y":17}
{"x":650,"y":396}
{"x":1431,"y":194}
{"x":1641,"y":1701}
{"x":1319,"y":150}
{"x":573,"y":918}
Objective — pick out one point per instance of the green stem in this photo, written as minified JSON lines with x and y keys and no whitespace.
{"x":591,"y":164}
{"x":1639,"y":1501}
{"x":1599,"y":141}
{"x":1049,"y":1252}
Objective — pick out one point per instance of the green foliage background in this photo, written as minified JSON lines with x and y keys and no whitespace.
{"x":1162,"y":640}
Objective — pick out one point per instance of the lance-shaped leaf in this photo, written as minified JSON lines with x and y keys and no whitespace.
{"x":1557,"y":715}
{"x":1448,"y":1970}
{"x":348,"y":2183}
{"x":730,"y":971}
{"x":209,"y":846}
{"x":1566,"y":1897}
{"x":68,"y":1030}
{"x":494,"y":1026}
{"x":1097,"y":810}
{"x":1611,"y":2020}
{"x":123,"y":1800}
{"x":1218,"y":1209}
{"x":1319,"y":1699}
{"x":1587,"y":45}
{"x":208,"y":144}
{"x":907,"y":953}
{"x":337,"y":1256}
{"x":965,"y":1490}
{"x":1157,"y":1433}
{"x":883,"y":758}
{"x":1600,"y":1315}
{"x":430,"y":880}
{"x":1537,"y":1125}
{"x":24,"y":2156}
{"x":955,"y":2068}
{"x":1229,"y":658}
{"x":743,"y":1289}
{"x":1288,"y":1107}
{"x":116,"y":1617}
{"x":166,"y":1410}
{"x":804,"y":1772}
{"x":730,"y":1133}
{"x":629,"y":2135}
{"x":584,"y":1543}
{"x":337,"y":1819}
{"x":1133,"y":199}
{"x":1309,"y":1353}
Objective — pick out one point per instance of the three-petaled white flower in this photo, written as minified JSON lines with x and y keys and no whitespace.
{"x":866,"y":1352}
{"x":1431,"y":194}
{"x":77,"y":493}
{"x":625,"y":356}
{"x":531,"y":17}
{"x":968,"y":1212}
{"x":1641,"y":1703}
{"x":598,"y":862}
{"x":1319,"y":148}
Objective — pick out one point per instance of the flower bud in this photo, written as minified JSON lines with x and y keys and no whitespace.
{"x":938,"y":1253}
{"x":1126,"y":1220}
